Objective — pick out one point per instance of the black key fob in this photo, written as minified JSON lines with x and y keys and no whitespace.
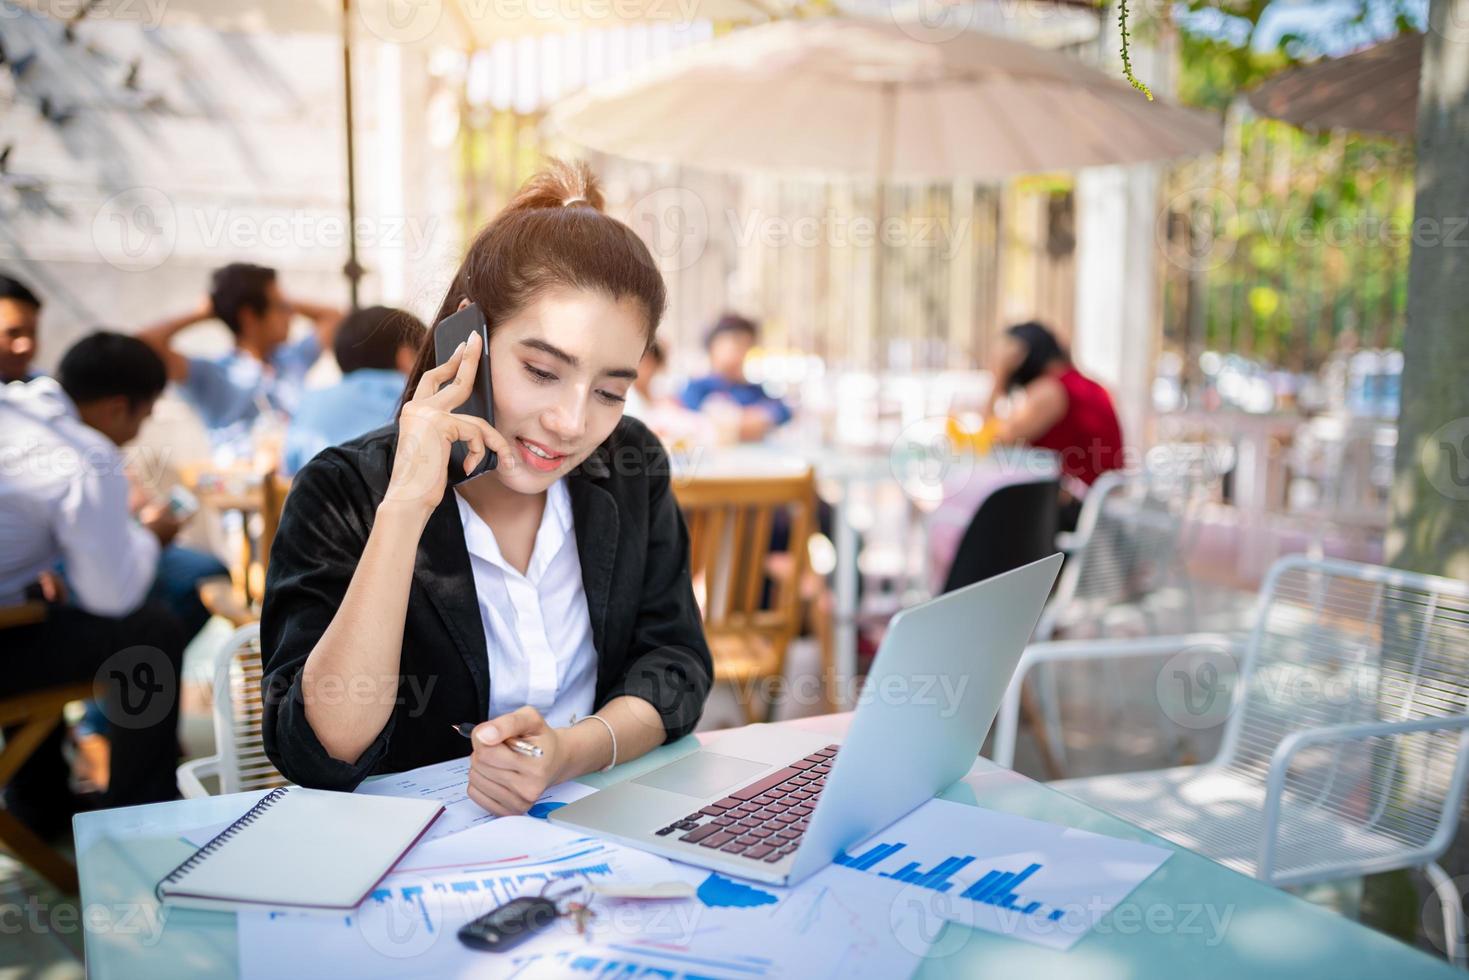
{"x":509,"y":925}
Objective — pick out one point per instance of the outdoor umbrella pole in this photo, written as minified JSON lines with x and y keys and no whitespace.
{"x":353,"y":269}
{"x":888,"y":107}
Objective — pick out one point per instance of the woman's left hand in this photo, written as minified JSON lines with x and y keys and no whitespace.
{"x":504,"y":781}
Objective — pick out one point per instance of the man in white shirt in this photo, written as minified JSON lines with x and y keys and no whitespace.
{"x":64,"y":504}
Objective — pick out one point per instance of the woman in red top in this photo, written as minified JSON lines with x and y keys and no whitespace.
{"x":1060,"y":409}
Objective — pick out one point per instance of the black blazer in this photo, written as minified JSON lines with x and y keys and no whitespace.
{"x":634,"y":554}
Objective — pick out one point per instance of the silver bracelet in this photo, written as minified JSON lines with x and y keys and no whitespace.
{"x":606,"y":724}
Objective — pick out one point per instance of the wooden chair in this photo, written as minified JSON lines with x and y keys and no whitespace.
{"x":730,"y":522}
{"x":238,"y":598}
{"x":29,"y":719}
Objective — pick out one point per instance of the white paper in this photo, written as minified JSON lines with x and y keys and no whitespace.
{"x":448,"y":783}
{"x":831,"y":926}
{"x":1063,"y":881}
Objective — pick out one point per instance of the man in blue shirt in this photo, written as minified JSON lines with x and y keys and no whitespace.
{"x":375,"y":349}
{"x":265,"y":371}
{"x":728,"y":343}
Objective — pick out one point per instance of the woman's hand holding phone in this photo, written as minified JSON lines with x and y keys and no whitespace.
{"x":428,"y":427}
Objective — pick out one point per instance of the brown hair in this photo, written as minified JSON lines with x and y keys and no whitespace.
{"x":554,"y":232}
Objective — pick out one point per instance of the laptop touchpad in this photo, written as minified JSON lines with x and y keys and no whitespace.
{"x":703,"y":774}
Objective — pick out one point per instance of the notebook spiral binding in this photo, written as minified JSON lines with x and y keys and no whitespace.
{"x":249,"y":817}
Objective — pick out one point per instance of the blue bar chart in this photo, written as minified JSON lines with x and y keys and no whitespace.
{"x":997,"y":887}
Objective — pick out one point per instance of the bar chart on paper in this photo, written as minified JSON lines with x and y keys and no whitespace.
{"x":996,"y":887}
{"x":1038,"y":882}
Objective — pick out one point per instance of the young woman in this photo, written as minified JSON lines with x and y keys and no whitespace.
{"x":1061,"y":409}
{"x":549,"y":599}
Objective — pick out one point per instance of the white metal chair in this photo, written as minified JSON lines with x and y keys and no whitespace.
{"x":1346,"y":740}
{"x":239,"y":763}
{"x":1122,"y":552}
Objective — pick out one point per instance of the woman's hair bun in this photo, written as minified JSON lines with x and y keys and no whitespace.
{"x":559,"y":184}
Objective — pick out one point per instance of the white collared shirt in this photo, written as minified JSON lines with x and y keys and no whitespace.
{"x":537,"y":628}
{"x":64,"y":501}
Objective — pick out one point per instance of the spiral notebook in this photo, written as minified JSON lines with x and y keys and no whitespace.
{"x":305,"y":848}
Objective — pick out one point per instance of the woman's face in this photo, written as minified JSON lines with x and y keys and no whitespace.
{"x":561,"y":369}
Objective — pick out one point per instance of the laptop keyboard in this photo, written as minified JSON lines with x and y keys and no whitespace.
{"x":764,"y":820}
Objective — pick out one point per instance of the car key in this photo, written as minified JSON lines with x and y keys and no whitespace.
{"x":509,"y":925}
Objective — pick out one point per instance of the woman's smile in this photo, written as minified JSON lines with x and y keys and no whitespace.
{"x":537,"y":456}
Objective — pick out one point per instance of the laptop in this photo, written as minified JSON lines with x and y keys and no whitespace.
{"x":777,"y":805}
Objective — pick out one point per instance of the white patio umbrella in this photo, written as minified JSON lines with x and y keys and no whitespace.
{"x":452,"y":22}
{"x":456,"y":23}
{"x":881,"y":100}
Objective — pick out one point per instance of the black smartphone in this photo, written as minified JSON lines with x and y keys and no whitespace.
{"x":448,"y":335}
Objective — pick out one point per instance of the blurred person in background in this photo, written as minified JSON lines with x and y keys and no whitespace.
{"x":71,"y":542}
{"x":1058,"y":408}
{"x":375,"y":349}
{"x":649,"y":401}
{"x":179,"y":569}
{"x":265,"y":372}
{"x":20,"y":312}
{"x":728,"y":343}
{"x":641,"y":399}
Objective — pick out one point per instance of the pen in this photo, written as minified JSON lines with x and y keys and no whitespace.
{"x":466,"y":728}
